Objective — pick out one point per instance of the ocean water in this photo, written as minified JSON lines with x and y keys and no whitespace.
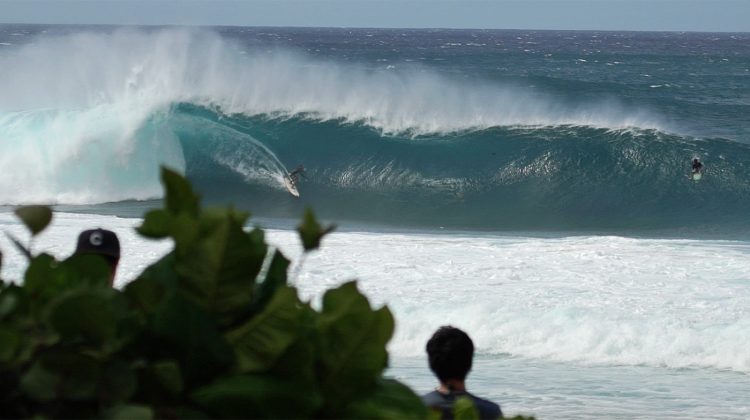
{"x":529,"y":187}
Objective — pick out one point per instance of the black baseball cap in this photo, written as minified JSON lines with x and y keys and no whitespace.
{"x":99,"y":241}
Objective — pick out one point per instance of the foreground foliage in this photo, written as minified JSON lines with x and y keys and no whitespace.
{"x":213,"y":329}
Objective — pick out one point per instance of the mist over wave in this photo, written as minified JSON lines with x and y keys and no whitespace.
{"x":152,"y":69}
{"x":91,"y":130}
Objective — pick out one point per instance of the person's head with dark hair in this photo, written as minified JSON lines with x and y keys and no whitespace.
{"x":450,"y":353}
{"x":100,"y":242}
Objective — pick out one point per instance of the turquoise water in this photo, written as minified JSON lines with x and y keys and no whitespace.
{"x":557,"y":390}
{"x":488,"y":130}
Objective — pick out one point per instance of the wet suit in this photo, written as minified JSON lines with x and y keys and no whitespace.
{"x":697,"y":166}
{"x":296,"y":172}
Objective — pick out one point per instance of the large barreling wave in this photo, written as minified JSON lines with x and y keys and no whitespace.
{"x":88,"y":118}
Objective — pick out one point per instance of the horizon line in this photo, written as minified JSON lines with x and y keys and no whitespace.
{"x":193,"y":25}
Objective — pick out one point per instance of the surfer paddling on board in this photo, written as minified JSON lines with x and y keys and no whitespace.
{"x":697,"y":166}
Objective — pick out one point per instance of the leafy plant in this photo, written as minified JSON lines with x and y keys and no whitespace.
{"x":212,"y":329}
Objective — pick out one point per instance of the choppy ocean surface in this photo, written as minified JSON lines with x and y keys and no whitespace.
{"x":529,"y":187}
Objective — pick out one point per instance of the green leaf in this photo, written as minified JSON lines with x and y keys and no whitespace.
{"x":218,"y":271}
{"x":352,"y":344}
{"x":11,"y":341}
{"x":87,"y":270}
{"x":298,"y":361}
{"x":215,"y":260}
{"x":389,"y":400}
{"x":274,"y":279}
{"x":39,"y":384}
{"x":160,"y":382}
{"x":13,"y":302}
{"x":167,"y":373}
{"x":464,"y":409}
{"x":258,"y":396}
{"x":156,"y":224}
{"x":41,"y":280}
{"x":185,"y":231}
{"x":188,"y":334}
{"x":153,"y":285}
{"x":79,"y":374}
{"x":179,"y":197}
{"x":311,"y":232}
{"x":434,"y":413}
{"x":87,"y":315}
{"x":64,"y":375}
{"x":130,"y":412}
{"x":263,"y":339}
{"x":183,"y":412}
{"x":47,"y":279}
{"x":118,"y":383}
{"x":36,"y":218}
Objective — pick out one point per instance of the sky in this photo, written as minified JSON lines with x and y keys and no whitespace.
{"x":638,"y":15}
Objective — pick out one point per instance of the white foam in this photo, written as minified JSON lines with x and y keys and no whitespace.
{"x":561,"y":325}
{"x":590,"y":300}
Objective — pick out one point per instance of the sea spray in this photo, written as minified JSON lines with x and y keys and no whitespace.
{"x":81,"y":132}
{"x":408,"y":145}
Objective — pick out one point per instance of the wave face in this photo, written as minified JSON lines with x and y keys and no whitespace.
{"x":502,"y":177}
{"x":416,"y":145}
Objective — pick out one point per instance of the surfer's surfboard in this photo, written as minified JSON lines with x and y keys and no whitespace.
{"x":696,"y":176}
{"x":290,"y":186}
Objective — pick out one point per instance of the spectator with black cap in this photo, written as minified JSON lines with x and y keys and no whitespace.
{"x":101,"y":242}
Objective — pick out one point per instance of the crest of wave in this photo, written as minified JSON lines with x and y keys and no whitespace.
{"x":83,"y":116}
{"x":158,"y":67}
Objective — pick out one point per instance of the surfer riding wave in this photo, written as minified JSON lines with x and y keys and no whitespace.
{"x":295,"y":174}
{"x":292,"y":179}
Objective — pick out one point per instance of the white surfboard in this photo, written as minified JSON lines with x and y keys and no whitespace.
{"x":696,"y":176}
{"x":290,"y":186}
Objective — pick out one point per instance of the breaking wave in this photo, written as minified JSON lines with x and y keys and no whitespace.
{"x":412,"y":146}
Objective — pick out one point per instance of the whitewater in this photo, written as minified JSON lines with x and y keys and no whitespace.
{"x":529,"y":187}
{"x":565,"y":327}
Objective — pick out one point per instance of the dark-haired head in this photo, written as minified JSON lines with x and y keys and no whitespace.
{"x":450,"y":352}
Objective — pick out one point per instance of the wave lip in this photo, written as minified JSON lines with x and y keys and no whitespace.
{"x":171,"y":66}
{"x":98,"y":130}
{"x":83,"y":157}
